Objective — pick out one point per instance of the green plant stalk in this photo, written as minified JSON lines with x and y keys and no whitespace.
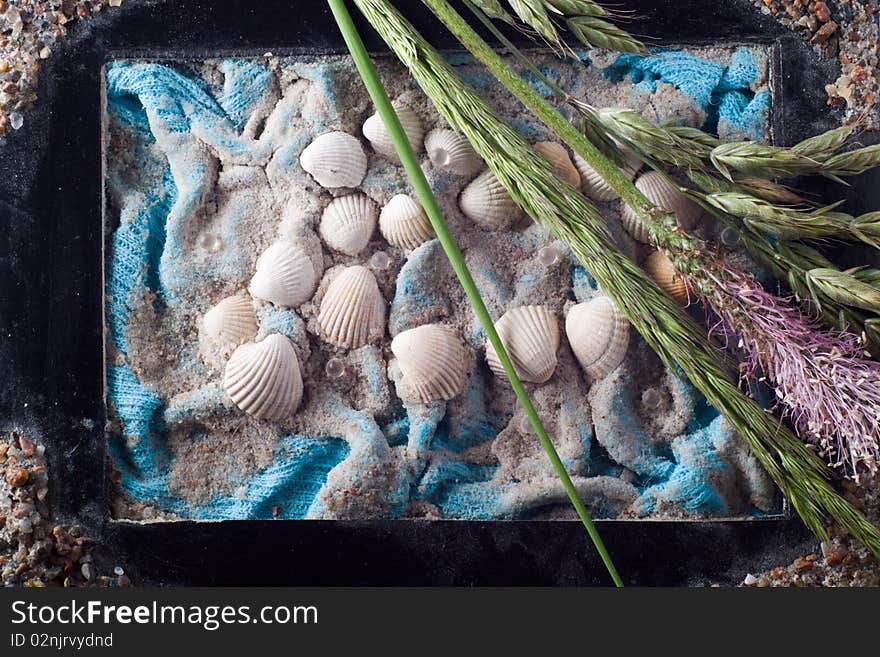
{"x":383,"y":104}
{"x":678,"y":340}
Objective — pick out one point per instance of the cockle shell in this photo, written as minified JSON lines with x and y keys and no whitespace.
{"x":404,"y":223}
{"x":531,"y":336}
{"x":664,"y":195}
{"x":594,"y":185}
{"x":379,"y":138}
{"x":599,"y":336}
{"x":348,"y":223}
{"x":229,"y":323}
{"x":660,"y":268}
{"x":485,"y":202}
{"x":433,"y":360}
{"x":285,"y":275}
{"x":353,"y":309}
{"x":263,"y":378}
{"x":335,"y":159}
{"x":561,"y":162}
{"x":451,"y":151}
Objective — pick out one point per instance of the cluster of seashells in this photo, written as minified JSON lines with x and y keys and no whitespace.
{"x":264,"y":379}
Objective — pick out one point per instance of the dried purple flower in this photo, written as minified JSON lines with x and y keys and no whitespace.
{"x":826,"y":384}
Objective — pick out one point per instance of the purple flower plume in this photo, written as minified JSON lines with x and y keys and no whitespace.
{"x":826,"y":384}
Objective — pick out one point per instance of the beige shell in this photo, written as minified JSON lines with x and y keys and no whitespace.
{"x":561,"y":162}
{"x":485,"y":202}
{"x":451,"y":151}
{"x":285,"y":275}
{"x":433,"y":360}
{"x":263,"y":379}
{"x":664,"y":195}
{"x":594,"y":186}
{"x":599,"y":336}
{"x":335,"y":159}
{"x":348,"y":223}
{"x":531,"y":336}
{"x":404,"y":223}
{"x":353,"y":309}
{"x":229,"y":323}
{"x":379,"y":138}
{"x":660,"y":268}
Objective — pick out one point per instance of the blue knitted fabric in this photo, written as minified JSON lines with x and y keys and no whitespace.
{"x":155,"y":105}
{"x":722,"y":91}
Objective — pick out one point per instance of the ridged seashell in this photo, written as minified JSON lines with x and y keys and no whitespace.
{"x":561,"y":162}
{"x":660,"y":268}
{"x":451,"y":151}
{"x":531,"y":336}
{"x":485,"y":202}
{"x":664,"y":195}
{"x":285,"y":275}
{"x":335,"y":159}
{"x":263,"y":378}
{"x":229,"y":323}
{"x":353,"y":309}
{"x":379,"y":138}
{"x":599,"y":336}
{"x":433,"y":361}
{"x":348,"y":223}
{"x":594,"y":186}
{"x":404,"y":223}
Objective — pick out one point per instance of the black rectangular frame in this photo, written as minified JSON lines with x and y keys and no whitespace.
{"x":52,"y":340}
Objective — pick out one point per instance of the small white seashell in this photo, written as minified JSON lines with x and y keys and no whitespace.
{"x":379,"y":138}
{"x":433,"y":361}
{"x":353,"y":309}
{"x":451,"y":151}
{"x":335,"y":159}
{"x":664,"y":195}
{"x":404,"y":223}
{"x":594,"y":186}
{"x":531,"y":336}
{"x":285,"y":275}
{"x":263,"y":379}
{"x":348,"y":223}
{"x":660,"y":268}
{"x":599,"y":336}
{"x":485,"y":202}
{"x":561,"y":162}
{"x":229,"y":323}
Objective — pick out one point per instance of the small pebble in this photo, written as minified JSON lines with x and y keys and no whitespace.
{"x":16,"y":120}
{"x":750,"y":580}
{"x":119,"y":570}
{"x":17,"y":477}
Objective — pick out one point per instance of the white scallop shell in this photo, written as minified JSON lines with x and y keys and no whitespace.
{"x":485,"y":202}
{"x":561,"y":162}
{"x":285,"y":275}
{"x":379,"y":138}
{"x":348,"y":223}
{"x":599,"y":336}
{"x":531,"y":336}
{"x":263,"y":378}
{"x":451,"y":151}
{"x":353,"y":309}
{"x":229,"y":323}
{"x":594,"y":186}
{"x":335,"y":159}
{"x":664,"y":195}
{"x":433,"y":361}
{"x":404,"y":223}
